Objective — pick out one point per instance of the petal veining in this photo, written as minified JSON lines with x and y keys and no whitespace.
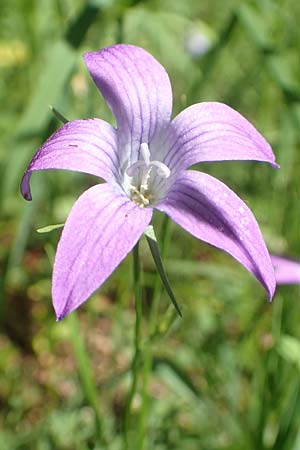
{"x":212,"y":131}
{"x":138,"y":91}
{"x":88,"y":146}
{"x":212,"y":212}
{"x":101,"y":229}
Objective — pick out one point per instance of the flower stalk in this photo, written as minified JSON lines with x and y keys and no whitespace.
{"x":148,"y":347}
{"x":85,"y":373}
{"x":136,"y":361}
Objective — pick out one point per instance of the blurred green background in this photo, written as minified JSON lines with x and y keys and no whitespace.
{"x":226,"y":376}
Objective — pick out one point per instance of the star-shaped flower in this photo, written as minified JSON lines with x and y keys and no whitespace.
{"x":144,"y":164}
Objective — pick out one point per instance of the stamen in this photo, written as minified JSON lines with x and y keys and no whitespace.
{"x":138,"y":197}
{"x":141,"y":189}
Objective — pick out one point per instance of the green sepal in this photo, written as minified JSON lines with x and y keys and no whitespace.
{"x":154,"y":249}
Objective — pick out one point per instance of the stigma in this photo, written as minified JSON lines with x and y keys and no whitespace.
{"x":144,"y":176}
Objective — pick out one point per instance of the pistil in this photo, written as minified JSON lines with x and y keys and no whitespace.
{"x":140,"y":173}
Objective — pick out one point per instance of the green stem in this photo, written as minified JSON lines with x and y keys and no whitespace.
{"x":85,"y":372}
{"x":148,"y":350}
{"x":135,"y":366}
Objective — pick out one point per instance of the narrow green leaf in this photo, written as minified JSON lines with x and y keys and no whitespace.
{"x":60,"y":62}
{"x":49,"y":228}
{"x":58,"y":115}
{"x":83,"y":360}
{"x":177,"y":378}
{"x":149,"y":233}
{"x":284,"y":70}
{"x":79,"y":26}
{"x":256,"y":26}
{"x":154,"y":248}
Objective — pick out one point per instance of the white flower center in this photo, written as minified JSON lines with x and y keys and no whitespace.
{"x":143,"y":176}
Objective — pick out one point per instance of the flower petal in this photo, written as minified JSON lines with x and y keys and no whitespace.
{"x":287,"y":271}
{"x":212,"y":131}
{"x":88,"y":146}
{"x":210,"y":211}
{"x":138,"y":91}
{"x":101,"y":229}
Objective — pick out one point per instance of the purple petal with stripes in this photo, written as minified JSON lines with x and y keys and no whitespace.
{"x":138,"y":91}
{"x":88,"y":146}
{"x":101,"y":229}
{"x":287,"y":271}
{"x":210,"y":211}
{"x":212,"y":131}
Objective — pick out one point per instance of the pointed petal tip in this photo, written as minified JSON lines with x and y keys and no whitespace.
{"x":101,"y":229}
{"x":61,"y":313}
{"x":27,"y":196}
{"x":59,"y":317}
{"x":266,"y":277}
{"x":271,"y":288}
{"x":194,"y":202}
{"x":275,"y":165}
{"x":271,"y":295}
{"x":25,"y":186}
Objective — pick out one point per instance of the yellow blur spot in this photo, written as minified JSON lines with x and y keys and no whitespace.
{"x":13,"y":53}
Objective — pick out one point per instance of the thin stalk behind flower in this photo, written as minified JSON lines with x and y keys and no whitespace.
{"x":136,"y":361}
{"x":85,"y":374}
{"x":152,"y":324}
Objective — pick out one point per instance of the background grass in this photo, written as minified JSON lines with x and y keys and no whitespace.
{"x":226,"y":376}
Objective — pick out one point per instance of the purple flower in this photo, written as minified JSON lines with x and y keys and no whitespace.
{"x":144,"y":163}
{"x":287,"y":271}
